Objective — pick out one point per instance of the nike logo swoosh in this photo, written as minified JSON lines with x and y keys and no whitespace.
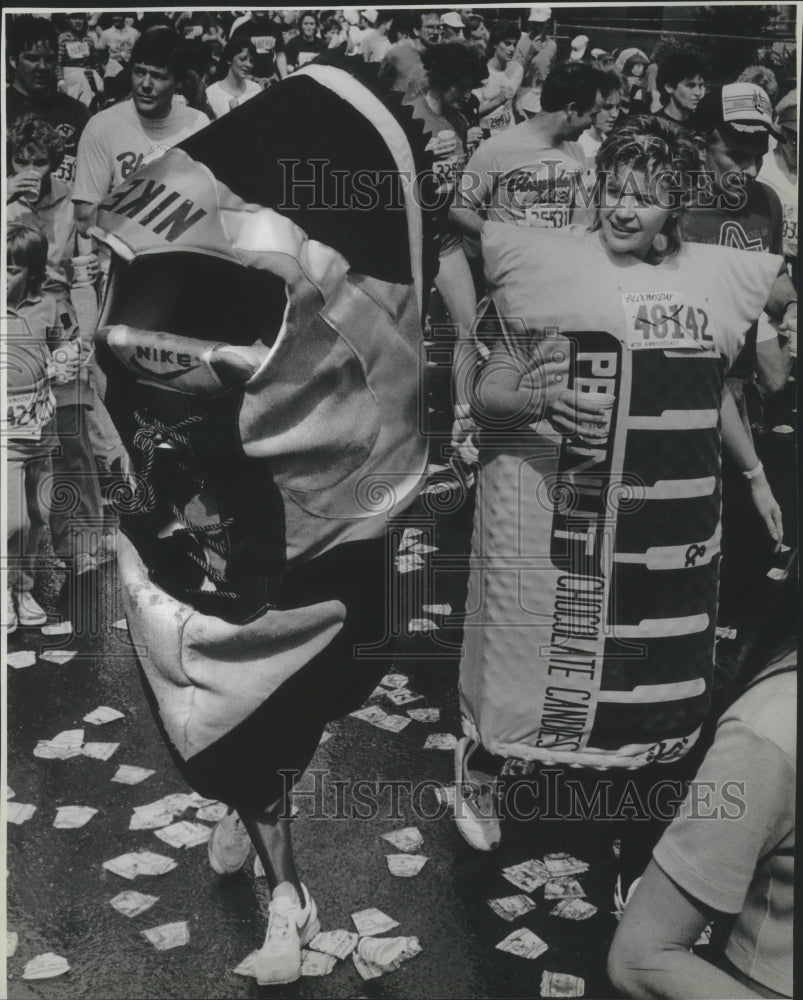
{"x":164,"y":377}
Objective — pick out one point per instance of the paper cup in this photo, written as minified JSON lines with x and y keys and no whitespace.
{"x":605,"y":401}
{"x":81,"y":269}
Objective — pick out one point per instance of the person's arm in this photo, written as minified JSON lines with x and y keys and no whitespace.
{"x":488,"y":104}
{"x":473,"y":193}
{"x":650,"y":957}
{"x":94,"y":177}
{"x":281,"y":65}
{"x":773,"y":358}
{"x":737,"y":444}
{"x":84,"y":216}
{"x":514,"y":389}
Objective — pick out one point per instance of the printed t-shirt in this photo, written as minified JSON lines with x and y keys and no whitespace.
{"x":118,"y":141}
{"x":513,"y":177}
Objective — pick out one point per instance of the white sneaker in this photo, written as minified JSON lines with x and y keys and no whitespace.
{"x":28,"y":610}
{"x":10,"y":621}
{"x":228,"y":845}
{"x":290,"y":927}
{"x":475,"y":801}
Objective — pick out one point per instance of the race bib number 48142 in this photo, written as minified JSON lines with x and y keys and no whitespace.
{"x":666,"y":321}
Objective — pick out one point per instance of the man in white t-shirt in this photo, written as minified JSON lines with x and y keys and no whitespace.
{"x":119,"y":40}
{"x":117,"y":141}
{"x":528,"y":174}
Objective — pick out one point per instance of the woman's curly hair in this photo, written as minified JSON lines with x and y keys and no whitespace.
{"x":666,"y":157}
{"x":30,"y":132}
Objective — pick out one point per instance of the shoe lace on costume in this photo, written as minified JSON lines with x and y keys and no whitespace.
{"x":151,"y":434}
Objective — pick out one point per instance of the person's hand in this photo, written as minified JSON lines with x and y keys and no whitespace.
{"x":566,"y":409}
{"x":463,"y":430}
{"x":442,"y":147}
{"x":474,"y":136}
{"x":26,"y":186}
{"x":66,"y":362}
{"x":505,"y":94}
{"x":788,"y":327}
{"x":768,"y":508}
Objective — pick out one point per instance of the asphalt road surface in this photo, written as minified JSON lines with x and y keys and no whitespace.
{"x":59,"y":893}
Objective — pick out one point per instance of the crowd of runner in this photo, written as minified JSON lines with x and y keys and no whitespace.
{"x":518,"y":121}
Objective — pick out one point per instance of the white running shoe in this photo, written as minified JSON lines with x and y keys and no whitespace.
{"x":290,"y":927}
{"x":29,"y":611}
{"x":228,"y":845}
{"x":475,"y":809}
{"x":10,"y":622}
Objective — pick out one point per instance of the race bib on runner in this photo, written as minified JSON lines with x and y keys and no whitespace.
{"x":77,"y":50}
{"x":28,"y":412}
{"x":448,"y":171}
{"x":264,"y":44}
{"x":666,"y":321}
{"x":547,"y":216}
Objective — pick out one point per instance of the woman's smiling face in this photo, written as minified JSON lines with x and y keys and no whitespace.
{"x":630,"y":214}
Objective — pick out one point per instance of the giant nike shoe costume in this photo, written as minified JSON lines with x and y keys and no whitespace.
{"x":593,"y":590}
{"x":260,"y":337}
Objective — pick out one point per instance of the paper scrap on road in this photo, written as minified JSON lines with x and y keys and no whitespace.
{"x":103,"y":714}
{"x":527,"y":876}
{"x":410,"y":537}
{"x":371,"y":713}
{"x":99,"y":751}
{"x":129,"y":774}
{"x":523,"y":943}
{"x":339,"y":943}
{"x":402,"y":696}
{"x":184,"y":834}
{"x":409,"y":563}
{"x":9,"y":793}
{"x":58,"y":628}
{"x":405,"y":865}
{"x":325,"y":737}
{"x":394,"y":723}
{"x":73,"y":817}
{"x":408,"y":839}
{"x":131,"y":903}
{"x":46,"y":966}
{"x":196,"y":801}
{"x":18,"y":812}
{"x":372,"y":921}
{"x":122,"y":624}
{"x":22,"y":658}
{"x":12,"y":940}
{"x":67,"y":744}
{"x":561,"y":984}
{"x":440,"y":741}
{"x":136,"y":863}
{"x":573,"y":909}
{"x":212,"y":813}
{"x":395,"y":681}
{"x":437,"y":609}
{"x":511,"y":907}
{"x":59,"y":656}
{"x":561,"y":864}
{"x":315,"y":963}
{"x":375,"y":957}
{"x":168,"y":936}
{"x":247,"y":967}
{"x":422,"y":625}
{"x":563,"y":888}
{"x":425,"y":714}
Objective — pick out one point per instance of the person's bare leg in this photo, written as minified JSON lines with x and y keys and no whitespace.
{"x":269,"y":830}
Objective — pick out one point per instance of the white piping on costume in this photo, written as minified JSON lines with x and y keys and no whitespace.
{"x":344,"y":85}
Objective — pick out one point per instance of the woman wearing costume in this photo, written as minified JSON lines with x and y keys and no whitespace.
{"x":592,"y":602}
